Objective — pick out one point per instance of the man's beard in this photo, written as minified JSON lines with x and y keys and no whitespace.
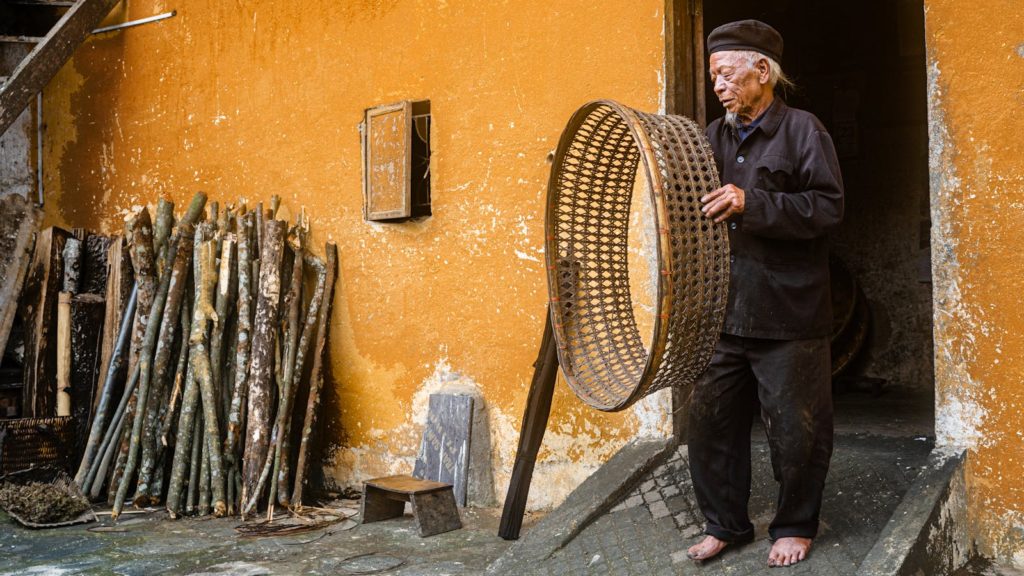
{"x":732,"y":119}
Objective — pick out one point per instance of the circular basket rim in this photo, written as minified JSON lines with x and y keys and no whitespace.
{"x":665,"y":289}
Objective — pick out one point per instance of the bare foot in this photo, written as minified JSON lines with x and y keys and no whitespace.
{"x":708,"y":548}
{"x":788,"y":551}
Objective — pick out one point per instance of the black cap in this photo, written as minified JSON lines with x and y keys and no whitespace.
{"x":747,"y":35}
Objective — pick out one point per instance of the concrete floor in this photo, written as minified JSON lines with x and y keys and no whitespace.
{"x":870,"y":471}
{"x":648,"y":531}
{"x":893,"y":412}
{"x":145,"y":544}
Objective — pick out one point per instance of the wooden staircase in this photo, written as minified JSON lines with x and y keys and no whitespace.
{"x":54,"y":29}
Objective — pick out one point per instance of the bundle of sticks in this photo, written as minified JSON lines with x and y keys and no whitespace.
{"x":211,"y":394}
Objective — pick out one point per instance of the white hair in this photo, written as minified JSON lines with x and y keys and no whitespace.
{"x":775,"y":74}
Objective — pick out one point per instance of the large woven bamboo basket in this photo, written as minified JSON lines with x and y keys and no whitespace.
{"x":614,"y":348}
{"x":34,"y":442}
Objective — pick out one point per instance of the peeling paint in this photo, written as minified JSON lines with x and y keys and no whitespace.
{"x":976,"y":184}
{"x":274,"y":107}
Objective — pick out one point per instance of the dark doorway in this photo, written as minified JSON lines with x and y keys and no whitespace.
{"x":860,"y":68}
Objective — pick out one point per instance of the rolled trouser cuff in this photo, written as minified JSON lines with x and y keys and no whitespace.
{"x":792,"y":532}
{"x":730,"y":536}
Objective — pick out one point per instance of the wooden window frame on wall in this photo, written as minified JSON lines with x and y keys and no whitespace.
{"x":684,"y":59}
{"x":405,"y":107}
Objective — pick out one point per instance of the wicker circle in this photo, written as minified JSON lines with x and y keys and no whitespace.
{"x":603,"y":152}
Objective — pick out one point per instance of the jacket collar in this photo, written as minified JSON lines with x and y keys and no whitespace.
{"x":770,"y":118}
{"x":773,"y":116}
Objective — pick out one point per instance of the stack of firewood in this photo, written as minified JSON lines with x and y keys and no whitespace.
{"x":213,"y":386}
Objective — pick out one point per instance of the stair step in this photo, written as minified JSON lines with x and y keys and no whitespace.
{"x":20,"y":39}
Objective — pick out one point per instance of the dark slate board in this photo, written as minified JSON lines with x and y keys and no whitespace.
{"x":444,"y":450}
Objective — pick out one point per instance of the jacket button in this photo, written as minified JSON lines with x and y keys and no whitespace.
{"x":739,"y":159}
{"x":732,"y":225}
{"x":732,"y":258}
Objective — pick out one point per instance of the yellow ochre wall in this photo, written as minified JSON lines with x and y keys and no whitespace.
{"x":976,"y":95}
{"x":248,"y":99}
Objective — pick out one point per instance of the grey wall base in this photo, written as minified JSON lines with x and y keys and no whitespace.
{"x":588,"y":501}
{"x":928,"y":532}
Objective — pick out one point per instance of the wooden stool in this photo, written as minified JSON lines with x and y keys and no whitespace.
{"x":433,"y":503}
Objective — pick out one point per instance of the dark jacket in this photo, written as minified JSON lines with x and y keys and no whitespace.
{"x":787,"y":167}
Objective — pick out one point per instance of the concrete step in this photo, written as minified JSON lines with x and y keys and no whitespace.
{"x":649,"y":527}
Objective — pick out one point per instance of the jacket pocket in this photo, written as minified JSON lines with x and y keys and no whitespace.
{"x":775,"y":173}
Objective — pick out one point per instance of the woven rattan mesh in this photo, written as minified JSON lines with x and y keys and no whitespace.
{"x":28,"y":442}
{"x":605,"y":148}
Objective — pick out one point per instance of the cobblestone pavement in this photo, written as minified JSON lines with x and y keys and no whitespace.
{"x":649,"y":530}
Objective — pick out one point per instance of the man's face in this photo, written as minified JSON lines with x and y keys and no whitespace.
{"x":740,"y":87}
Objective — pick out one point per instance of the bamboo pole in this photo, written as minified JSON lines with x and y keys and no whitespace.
{"x":261,"y":367}
{"x":100,"y":419}
{"x":317,"y":378}
{"x":120,"y":286}
{"x":72,"y":255}
{"x":97,"y":474}
{"x":64,"y":354}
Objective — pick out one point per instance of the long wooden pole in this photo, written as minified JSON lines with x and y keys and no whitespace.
{"x":531,"y":434}
{"x":317,"y":379}
{"x":97,"y":475}
{"x":308,"y":332}
{"x":146,"y":357}
{"x":293,"y":302}
{"x":99,"y":422}
{"x":139,"y":232}
{"x":177,"y":279}
{"x":206,"y":277}
{"x":261,"y":368}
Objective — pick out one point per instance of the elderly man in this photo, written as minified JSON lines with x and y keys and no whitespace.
{"x":782,"y":193}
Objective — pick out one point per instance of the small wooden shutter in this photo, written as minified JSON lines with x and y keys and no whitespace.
{"x":387,"y":159}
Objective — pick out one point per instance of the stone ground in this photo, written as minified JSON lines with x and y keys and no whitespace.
{"x":649,"y":531}
{"x":152,"y":544}
{"x":646,"y":533}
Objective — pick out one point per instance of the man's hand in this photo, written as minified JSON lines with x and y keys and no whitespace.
{"x":722,"y":203}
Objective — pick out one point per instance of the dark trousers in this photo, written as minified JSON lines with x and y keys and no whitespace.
{"x":791,"y":381}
